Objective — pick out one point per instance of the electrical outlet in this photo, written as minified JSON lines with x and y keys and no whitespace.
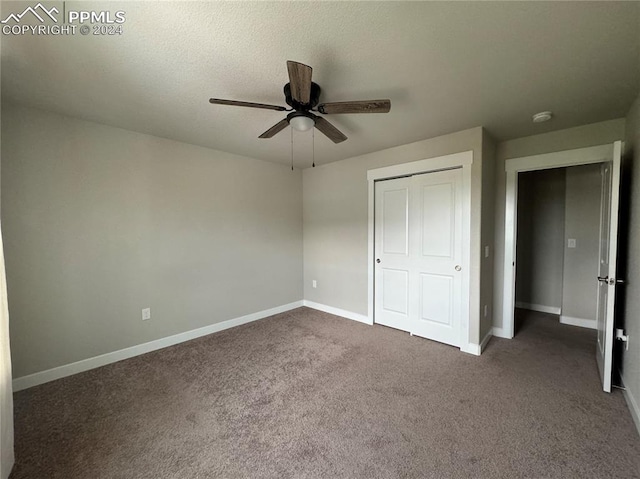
{"x":146,"y":314}
{"x":314,"y":283}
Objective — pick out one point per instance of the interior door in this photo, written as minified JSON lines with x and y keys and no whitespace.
{"x":607,"y":265}
{"x":393,"y":262}
{"x":418,"y":251}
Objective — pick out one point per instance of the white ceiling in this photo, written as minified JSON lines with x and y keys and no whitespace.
{"x":446,"y":66}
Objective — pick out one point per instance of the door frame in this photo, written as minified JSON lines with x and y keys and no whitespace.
{"x":559,"y":159}
{"x":462,"y":160}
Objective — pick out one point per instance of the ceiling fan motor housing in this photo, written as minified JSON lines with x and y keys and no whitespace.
{"x":315,"y":98}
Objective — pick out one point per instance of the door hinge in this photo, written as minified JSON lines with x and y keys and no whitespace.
{"x":620,"y":336}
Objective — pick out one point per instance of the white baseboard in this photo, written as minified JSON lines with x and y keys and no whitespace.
{"x":337,"y":311}
{"x":485,"y":340}
{"x":581,"y":322}
{"x":476,"y":349}
{"x":42,"y":377}
{"x":500,"y":333}
{"x":633,"y":405}
{"x":471,"y":349}
{"x":541,"y":308}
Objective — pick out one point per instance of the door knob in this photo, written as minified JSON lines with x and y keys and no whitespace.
{"x":378,"y":260}
{"x":610,"y":281}
{"x":458,"y":267}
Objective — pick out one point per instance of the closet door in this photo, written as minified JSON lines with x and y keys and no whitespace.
{"x":436,"y":256}
{"x":418,"y":246}
{"x":393,"y":261}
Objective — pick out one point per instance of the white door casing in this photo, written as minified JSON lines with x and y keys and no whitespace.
{"x":580,"y":156}
{"x":598,"y":154}
{"x":463,"y":161}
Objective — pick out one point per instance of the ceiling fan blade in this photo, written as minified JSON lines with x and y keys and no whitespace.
{"x":300,"y":81}
{"x":366,"y":106}
{"x":329,"y":130}
{"x":277,"y":128}
{"x":218,"y":101}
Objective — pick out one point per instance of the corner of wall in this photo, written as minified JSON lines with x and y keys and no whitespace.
{"x":488,"y":248}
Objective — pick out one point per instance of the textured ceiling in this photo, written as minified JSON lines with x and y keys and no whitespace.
{"x":446,"y":66}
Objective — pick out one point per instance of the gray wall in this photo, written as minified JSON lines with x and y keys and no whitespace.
{"x":582,"y":223}
{"x":541,"y":223}
{"x":487,"y":233}
{"x":631,"y":306}
{"x":336,"y":218}
{"x":579,"y":137}
{"x":6,"y":396}
{"x":100,"y":222}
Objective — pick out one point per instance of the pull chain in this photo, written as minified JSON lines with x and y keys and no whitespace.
{"x":291,"y":148}
{"x":313,"y":147}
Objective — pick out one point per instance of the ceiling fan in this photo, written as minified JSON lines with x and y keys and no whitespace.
{"x":303,"y":96}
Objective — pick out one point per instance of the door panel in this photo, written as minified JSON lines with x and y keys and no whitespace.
{"x":436,"y":293}
{"x":395,"y":289}
{"x":395,"y":222}
{"x":437,"y":209}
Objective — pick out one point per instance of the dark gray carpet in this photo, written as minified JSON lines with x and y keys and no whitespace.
{"x":306,"y":394}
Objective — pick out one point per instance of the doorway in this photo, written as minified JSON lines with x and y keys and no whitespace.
{"x":558,"y":236}
{"x":609,"y":154}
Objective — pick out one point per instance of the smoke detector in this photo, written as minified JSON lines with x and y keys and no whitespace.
{"x":542,"y":116}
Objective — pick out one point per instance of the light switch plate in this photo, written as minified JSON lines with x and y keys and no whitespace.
{"x":571,"y":243}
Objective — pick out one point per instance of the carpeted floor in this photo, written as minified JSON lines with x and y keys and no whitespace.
{"x":306,"y":394}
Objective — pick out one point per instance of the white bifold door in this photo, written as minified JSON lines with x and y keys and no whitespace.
{"x":418,"y":254}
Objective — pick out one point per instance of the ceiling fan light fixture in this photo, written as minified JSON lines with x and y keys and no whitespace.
{"x":301,"y":123}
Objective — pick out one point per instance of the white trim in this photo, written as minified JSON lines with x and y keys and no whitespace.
{"x":541,"y":308}
{"x":42,"y":377}
{"x":371,"y":251}
{"x":445,"y":162}
{"x":632,"y":403}
{"x":471,"y":348}
{"x":486,"y":339}
{"x":559,"y":159}
{"x":462,"y":160}
{"x":580,"y":322}
{"x":500,"y":333}
{"x":477,"y":349}
{"x":337,"y":311}
{"x":580,"y":156}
